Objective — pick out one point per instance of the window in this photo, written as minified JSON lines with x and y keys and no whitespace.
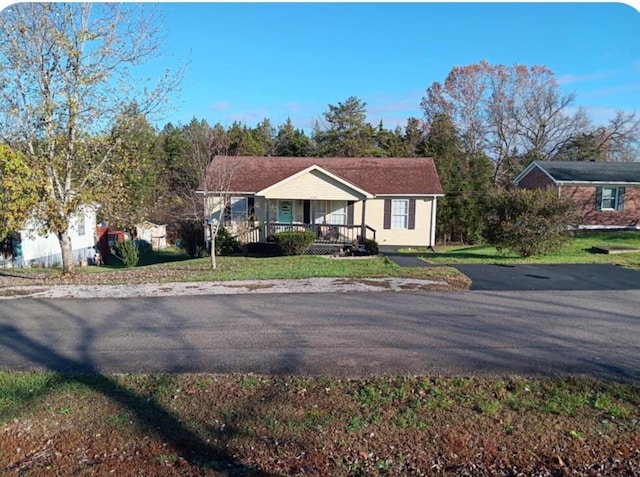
{"x":81,"y":224}
{"x":610,"y":198}
{"x":338,"y":213}
{"x":399,"y":214}
{"x":331,"y":212}
{"x":320,"y":212}
{"x":238,"y":209}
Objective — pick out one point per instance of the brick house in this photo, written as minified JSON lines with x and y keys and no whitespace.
{"x":607,"y":194}
{"x":391,"y":200}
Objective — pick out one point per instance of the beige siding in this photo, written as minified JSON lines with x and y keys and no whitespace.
{"x":420,"y":236}
{"x":312,"y":185}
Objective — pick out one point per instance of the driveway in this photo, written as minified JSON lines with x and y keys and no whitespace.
{"x":551,"y":277}
{"x":535,"y":277}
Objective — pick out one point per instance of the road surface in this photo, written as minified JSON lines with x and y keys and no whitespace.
{"x":595,"y":333}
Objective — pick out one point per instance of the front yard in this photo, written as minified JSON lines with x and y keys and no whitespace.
{"x":236,"y":268}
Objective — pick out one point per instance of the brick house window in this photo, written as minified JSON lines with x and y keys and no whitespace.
{"x":610,"y":198}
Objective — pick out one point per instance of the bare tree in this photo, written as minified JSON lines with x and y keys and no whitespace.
{"x":208,"y":162}
{"x":66,"y":74}
{"x":617,"y":141}
{"x":505,"y":112}
{"x":217,"y":190}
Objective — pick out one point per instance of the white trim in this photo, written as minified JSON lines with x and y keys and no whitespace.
{"x":382,"y":196}
{"x":599,"y":183}
{"x":432,"y":225}
{"x":226,"y":192}
{"x":528,"y":169}
{"x":606,"y":227}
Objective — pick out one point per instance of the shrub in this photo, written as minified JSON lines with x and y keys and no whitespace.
{"x":143,"y":247}
{"x":529,"y":222}
{"x":191,"y":233}
{"x":294,"y":243}
{"x":127,"y":253}
{"x":226,"y":243}
{"x":371,"y":246}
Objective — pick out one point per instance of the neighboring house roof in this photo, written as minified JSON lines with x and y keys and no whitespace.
{"x":562,"y":172}
{"x":375,"y":175}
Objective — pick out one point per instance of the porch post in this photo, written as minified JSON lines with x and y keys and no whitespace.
{"x":363,"y":226}
{"x":266,"y":223}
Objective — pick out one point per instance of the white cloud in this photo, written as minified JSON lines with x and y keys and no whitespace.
{"x":612,"y":91}
{"x":573,"y":78}
{"x":220,"y":106}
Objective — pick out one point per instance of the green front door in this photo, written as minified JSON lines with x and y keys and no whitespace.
{"x":285,"y":211}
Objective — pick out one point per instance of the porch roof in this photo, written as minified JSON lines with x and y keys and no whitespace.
{"x":375,"y":175}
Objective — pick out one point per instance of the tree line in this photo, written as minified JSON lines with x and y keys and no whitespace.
{"x":75,"y":127}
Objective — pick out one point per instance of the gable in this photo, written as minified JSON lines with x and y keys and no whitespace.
{"x":313,"y":182}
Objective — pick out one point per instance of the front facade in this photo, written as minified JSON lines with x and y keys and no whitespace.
{"x":606,"y":194}
{"x":390,"y":200}
{"x":27,"y":248}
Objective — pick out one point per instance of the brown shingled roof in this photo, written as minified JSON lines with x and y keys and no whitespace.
{"x":377,"y":175}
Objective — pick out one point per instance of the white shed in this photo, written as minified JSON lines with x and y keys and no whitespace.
{"x":155,"y":234}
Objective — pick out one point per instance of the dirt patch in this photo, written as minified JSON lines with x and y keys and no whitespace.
{"x":420,"y":287}
{"x":20,"y":291}
{"x":251,"y":286}
{"x":363,"y":281}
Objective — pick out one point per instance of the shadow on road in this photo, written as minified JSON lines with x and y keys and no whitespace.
{"x":185,"y":442}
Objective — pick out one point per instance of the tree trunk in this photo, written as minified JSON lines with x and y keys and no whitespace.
{"x":68,"y":267}
{"x":213,"y":253}
{"x":212,"y":234}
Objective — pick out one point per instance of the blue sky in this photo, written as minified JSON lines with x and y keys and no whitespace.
{"x":248,"y":61}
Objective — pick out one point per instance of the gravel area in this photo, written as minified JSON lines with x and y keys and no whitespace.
{"x":309,"y":285}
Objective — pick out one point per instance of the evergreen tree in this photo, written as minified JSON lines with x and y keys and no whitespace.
{"x":346,"y":133}
{"x":292,"y":142}
{"x":465,"y":179}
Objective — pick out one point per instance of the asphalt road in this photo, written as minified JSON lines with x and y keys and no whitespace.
{"x":551,"y":277}
{"x":342,"y":334}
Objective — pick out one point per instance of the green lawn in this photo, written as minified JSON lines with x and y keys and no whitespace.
{"x":181,"y":269}
{"x":576,"y":251}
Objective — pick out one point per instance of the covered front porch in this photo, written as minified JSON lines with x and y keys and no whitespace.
{"x":326,"y":234}
{"x":332,"y":221}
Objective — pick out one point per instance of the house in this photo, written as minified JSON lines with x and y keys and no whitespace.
{"x":154,"y":234}
{"x":607,"y":194}
{"x":27,"y":248}
{"x":390,"y":200}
